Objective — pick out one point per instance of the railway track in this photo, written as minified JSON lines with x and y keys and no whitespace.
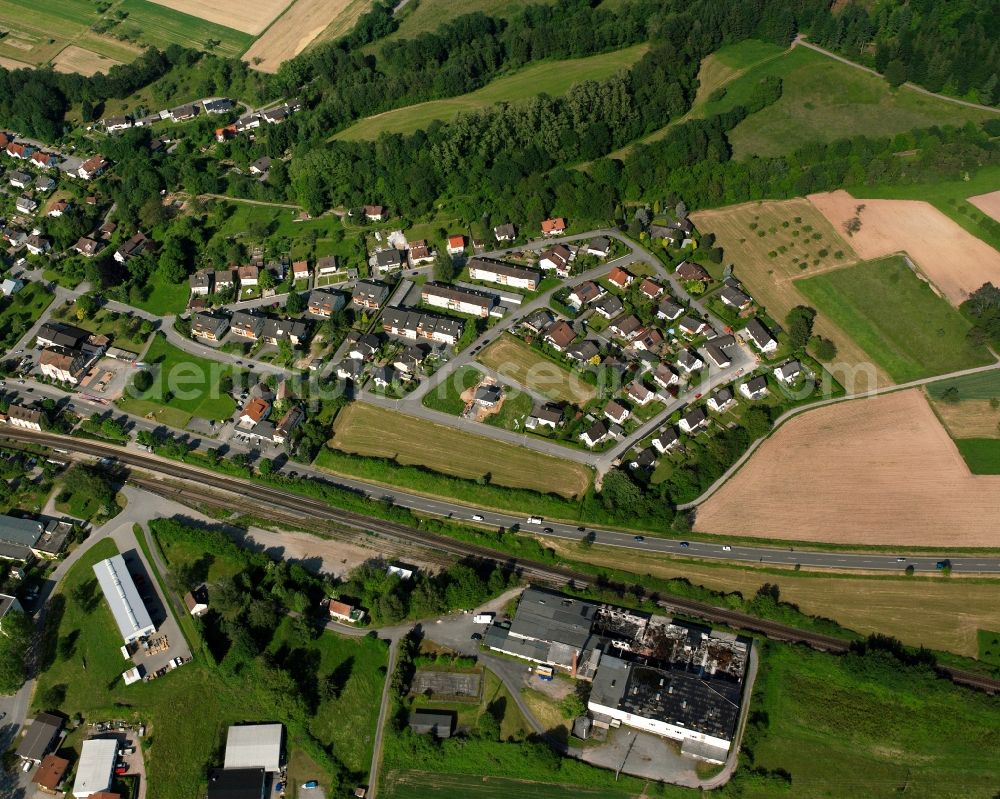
{"x":296,"y":505}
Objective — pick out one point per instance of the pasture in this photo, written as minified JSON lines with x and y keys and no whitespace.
{"x":772,"y":244}
{"x":369,"y":430}
{"x":518,"y":362}
{"x":880,"y":471}
{"x":896,"y":318}
{"x":298,"y":26}
{"x":955,"y":261}
{"x":553,"y":77}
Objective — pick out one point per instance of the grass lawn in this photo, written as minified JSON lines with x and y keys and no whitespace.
{"x":896,"y":318}
{"x":447,"y":395}
{"x":949,"y":197}
{"x":368,"y":430}
{"x":989,"y":647}
{"x":514,"y":359}
{"x":553,"y":77}
{"x":161,"y":26}
{"x":425,"y":785}
{"x":517,"y":406}
{"x":823,"y":100}
{"x":982,"y":455}
{"x":185,"y":385}
{"x":981,"y":386}
{"x":844,"y":730}
{"x":165,"y":297}
{"x":22,"y":310}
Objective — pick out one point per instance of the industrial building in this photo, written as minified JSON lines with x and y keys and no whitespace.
{"x":254,"y":746}
{"x":97,"y":763}
{"x":237,"y":783}
{"x":18,"y":537}
{"x":122,"y":596}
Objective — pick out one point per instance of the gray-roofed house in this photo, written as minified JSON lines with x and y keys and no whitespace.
{"x":722,"y":400}
{"x":694,"y":420}
{"x":487,"y":395}
{"x":295,"y":331}
{"x":200,"y":283}
{"x":370,"y":294}
{"x":546,"y":416}
{"x":668,"y":309}
{"x":584,"y":351}
{"x":666,"y":440}
{"x":19,"y":537}
{"x":616,"y":412}
{"x":761,"y":337}
{"x":689,"y":361}
{"x":734,"y":298}
{"x":389,"y":260}
{"x":755,"y":388}
{"x":595,"y":434}
{"x":247,"y":325}
{"x":788,"y":372}
{"x":209,"y":326}
{"x":609,"y":306}
{"x":39,"y":738}
{"x":505,"y":232}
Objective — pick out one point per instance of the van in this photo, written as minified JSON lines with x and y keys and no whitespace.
{"x":482,"y":618}
{"x":534,"y":520}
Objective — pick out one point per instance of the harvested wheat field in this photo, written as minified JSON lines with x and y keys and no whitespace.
{"x":803,"y":244}
{"x":955,"y":261}
{"x":240,"y":15}
{"x":85,"y":62}
{"x":11,"y":63}
{"x":303,"y":22}
{"x":870,"y":471}
{"x":969,"y":418}
{"x":989,"y":204}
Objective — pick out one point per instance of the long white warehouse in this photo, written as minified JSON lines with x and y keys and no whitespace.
{"x":126,"y":605}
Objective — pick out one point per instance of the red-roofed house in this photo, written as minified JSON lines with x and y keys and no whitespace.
{"x":300,"y":270}
{"x":456,"y":245}
{"x":553,"y":227}
{"x":620,"y":277}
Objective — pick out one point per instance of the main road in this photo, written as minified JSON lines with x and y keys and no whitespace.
{"x":875,"y":561}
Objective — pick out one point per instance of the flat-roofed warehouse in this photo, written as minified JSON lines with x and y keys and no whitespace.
{"x":123,"y":597}
{"x":97,"y":761}
{"x":254,"y":746}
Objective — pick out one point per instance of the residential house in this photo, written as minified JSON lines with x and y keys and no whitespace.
{"x":734,"y":298}
{"x":40,"y":738}
{"x":389,"y":260}
{"x":493,"y":271}
{"x":25,"y":204}
{"x":692,"y":326}
{"x":50,"y":773}
{"x":755,"y":388}
{"x":275,"y":116}
{"x":209,"y":326}
{"x":546,"y":416}
{"x":609,"y":306}
{"x":342,"y":611}
{"x":131,"y":248}
{"x":350,"y":369}
{"x":44,"y":160}
{"x":247,"y":122}
{"x":420,"y":253}
{"x":645,"y":459}
{"x":260,"y":166}
{"x":60,"y":335}
{"x":8,"y":603}
{"x":44,"y":183}
{"x":669,"y":310}
{"x":456,"y":245}
{"x":595,"y":434}
{"x":536,"y":321}
{"x":665,"y":376}
{"x":115,"y":124}
{"x":556,"y":258}
{"x":11,"y":286}
{"x":648,"y":339}
{"x":364,"y":347}
{"x":600,"y":247}
{"x":585,"y":351}
{"x":14,"y":237}
{"x":293,"y":417}
{"x":505,"y":232}
{"x":385,"y":376}
{"x":686,"y":270}
{"x":227,"y":132}
{"x":92,"y":167}
{"x":694,"y":420}
{"x":455,"y":298}
{"x":247,"y":324}
{"x":417,"y":325}
{"x":689,"y":361}
{"x":37,"y":245}
{"x":294,"y":331}
{"x":196,"y":601}
{"x":254,"y":412}
{"x":553,"y":227}
{"x":616,"y":412}
{"x":761,"y":336}
{"x":220,"y":105}
{"x":326,"y":303}
{"x":487,"y":395}
{"x":717,"y":355}
{"x":200,"y":283}
{"x":560,"y":335}
{"x":63,"y":366}
{"x":722,"y":400}
{"x":620,"y":277}
{"x":584,"y":293}
{"x":650,"y":288}
{"x":87,"y":247}
{"x":184,"y":112}
{"x":300,"y":270}
{"x":18,"y":179}
{"x":666,"y":440}
{"x":20,"y":151}
{"x":788,"y":372}
{"x":370,"y":294}
{"x":409,"y":360}
{"x":626,"y":327}
{"x":639,"y":394}
{"x":58,"y":208}
{"x":223,"y":279}
{"x":374,"y":213}
{"x":249,"y":275}
{"x":327,"y":266}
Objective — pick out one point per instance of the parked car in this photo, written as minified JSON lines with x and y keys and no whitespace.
{"x":639,"y":539}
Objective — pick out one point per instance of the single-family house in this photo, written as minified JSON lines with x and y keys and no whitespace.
{"x":200,"y":283}
{"x":247,"y":122}
{"x":692,"y":326}
{"x":196,"y":601}
{"x":20,"y":150}
{"x":58,"y":208}
{"x":686,"y":270}
{"x":559,"y":335}
{"x":694,"y":420}
{"x":638,"y":393}
{"x":260,"y":166}
{"x":788,"y":372}
{"x":620,"y":277}
{"x":370,"y":294}
{"x":669,"y":310}
{"x":734,"y":298}
{"x":184,"y":112}
{"x":647,"y":339}
{"x":755,"y":388}
{"x":223,"y":279}
{"x":665,"y":376}
{"x":44,"y":160}
{"x":761,"y":337}
{"x":254,"y":412}
{"x":650,"y":288}
{"x":134,"y":246}
{"x":389,"y":260}
{"x":553,"y":227}
{"x":50,"y":773}
{"x":44,"y":183}
{"x":293,"y":417}
{"x":92,"y":167}
{"x":364,"y":347}
{"x":325,"y":304}
{"x":374,"y":213}
{"x":275,"y":116}
{"x":385,"y":376}
{"x":556,"y":258}
{"x":492,"y":270}
{"x":689,"y":361}
{"x":11,"y":286}
{"x":420,"y":252}
{"x":327,"y":266}
{"x":294,"y":331}
{"x":645,"y":459}
{"x":219,"y":105}
{"x":350,"y":369}
{"x":300,"y":270}
{"x":342,"y":611}
{"x":209,"y":326}
{"x":546,"y":416}
{"x":410,"y":359}
{"x":717,"y":355}
{"x":595,"y":434}
{"x":249,"y":275}
{"x":666,"y":440}
{"x":456,"y":245}
{"x":722,"y":400}
{"x":86,"y":247}
{"x":37,"y":245}
{"x":487,"y":395}
{"x":626,"y":327}
{"x":25,"y":204}
{"x":40,"y":737}
{"x":609,"y":306}
{"x":616,"y":412}
{"x":584,"y":293}
{"x":599,"y":247}
{"x":18,"y":179}
{"x":585,"y":351}
{"x":505,"y":232}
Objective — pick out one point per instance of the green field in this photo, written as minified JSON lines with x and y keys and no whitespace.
{"x":425,"y":785}
{"x":982,"y":455}
{"x":514,"y":359}
{"x":895,"y":318}
{"x":989,"y":647}
{"x":981,"y":386}
{"x":185,"y":386}
{"x":21,"y":311}
{"x":162,"y":26}
{"x":949,"y":197}
{"x":553,"y":77}
{"x":824,"y":99}
{"x":447,"y":395}
{"x":429,"y":15}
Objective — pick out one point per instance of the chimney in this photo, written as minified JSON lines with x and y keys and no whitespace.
{"x":574,"y":664}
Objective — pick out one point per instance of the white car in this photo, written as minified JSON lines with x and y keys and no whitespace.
{"x":477,"y":517}
{"x":534,"y":520}
{"x":727,"y":548}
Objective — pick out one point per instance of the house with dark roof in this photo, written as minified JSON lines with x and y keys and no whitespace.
{"x":248,"y":325}
{"x":439,"y":723}
{"x":755,"y":388}
{"x":131,"y":248}
{"x":669,"y":309}
{"x":209,"y":326}
{"x":788,"y":372}
{"x":734,"y":298}
{"x":694,"y":420}
{"x":722,"y":400}
{"x":200,"y":283}
{"x":40,"y":738}
{"x":599,"y":247}
{"x":666,"y":440}
{"x":294,"y":331}
{"x":556,"y":258}
{"x":560,"y":335}
{"x":370,"y":294}
{"x":595,"y":434}
{"x":585,"y":351}
{"x":609,"y":306}
{"x":546,"y":416}
{"x":584,"y":293}
{"x":389,"y":260}
{"x":616,"y":412}
{"x":687,"y":270}
{"x":505,"y":232}
{"x":761,"y":337}
{"x":689,"y":361}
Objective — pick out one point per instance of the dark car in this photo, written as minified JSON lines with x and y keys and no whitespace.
{"x":943,"y":564}
{"x":547,"y":530}
{"x":477,"y":637}
{"x":685,"y":544}
{"x":639,"y":538}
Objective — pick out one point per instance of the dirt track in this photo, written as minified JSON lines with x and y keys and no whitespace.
{"x":874,"y":471}
{"x":954,"y":260}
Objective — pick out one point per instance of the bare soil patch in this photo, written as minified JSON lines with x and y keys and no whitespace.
{"x":86,"y":62}
{"x":12,"y":63}
{"x":250,"y":18}
{"x":751,"y":232}
{"x":293,"y":31}
{"x":989,"y":204}
{"x":952,"y":259}
{"x":969,"y":418}
{"x":872,"y":471}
